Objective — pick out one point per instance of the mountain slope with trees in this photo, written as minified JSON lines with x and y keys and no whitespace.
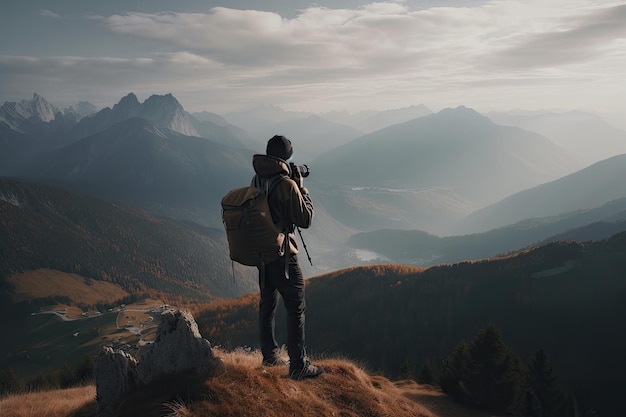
{"x":566,"y":298}
{"x":45,"y":227}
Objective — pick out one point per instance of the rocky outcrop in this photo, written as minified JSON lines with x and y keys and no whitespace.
{"x":116,"y":374}
{"x":178,"y":348}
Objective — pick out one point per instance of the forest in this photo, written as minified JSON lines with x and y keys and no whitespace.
{"x":567,"y":299}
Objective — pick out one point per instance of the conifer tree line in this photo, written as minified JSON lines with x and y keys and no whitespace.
{"x":487,"y":374}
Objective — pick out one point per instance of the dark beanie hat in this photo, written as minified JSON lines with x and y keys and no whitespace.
{"x":280,"y":147}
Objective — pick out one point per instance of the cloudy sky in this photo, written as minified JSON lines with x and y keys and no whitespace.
{"x":221,"y":56}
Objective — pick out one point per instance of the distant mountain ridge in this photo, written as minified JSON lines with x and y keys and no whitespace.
{"x":426,"y":173}
{"x":156,"y":169}
{"x":371,"y":121}
{"x":591,"y":187}
{"x":419,"y":248}
{"x":311,"y":136}
{"x":38,"y":109}
{"x":162,"y":111}
{"x":587,"y":136}
{"x":437,"y":167}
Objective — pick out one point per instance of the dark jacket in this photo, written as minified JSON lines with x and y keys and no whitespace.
{"x":289,"y":205}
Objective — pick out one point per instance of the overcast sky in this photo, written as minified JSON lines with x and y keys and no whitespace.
{"x":221,"y":56}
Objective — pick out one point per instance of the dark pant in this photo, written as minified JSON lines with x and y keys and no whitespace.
{"x":291,"y":290}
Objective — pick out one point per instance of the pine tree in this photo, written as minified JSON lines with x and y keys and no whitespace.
{"x":495,"y":380}
{"x":454,"y":374}
{"x":484,"y":373}
{"x":542,"y":381}
{"x":407,"y":370}
{"x":426,"y":374}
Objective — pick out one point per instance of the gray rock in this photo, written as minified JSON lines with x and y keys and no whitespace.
{"x":178,"y":348}
{"x":116,"y":374}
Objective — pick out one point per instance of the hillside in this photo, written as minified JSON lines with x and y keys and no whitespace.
{"x":345,"y":389}
{"x":422,"y":249}
{"x":565,"y":298}
{"x":591,"y":187}
{"x":45,"y":227}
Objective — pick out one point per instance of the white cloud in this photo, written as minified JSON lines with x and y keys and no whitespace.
{"x":503,"y":53}
{"x":48,"y":13}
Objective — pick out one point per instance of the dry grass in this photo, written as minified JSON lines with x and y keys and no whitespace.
{"x":246,"y":389}
{"x":49,"y":283}
{"x":75,"y":402}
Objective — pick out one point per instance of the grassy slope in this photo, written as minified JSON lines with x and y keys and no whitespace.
{"x":44,"y":283}
{"x":248,"y":389}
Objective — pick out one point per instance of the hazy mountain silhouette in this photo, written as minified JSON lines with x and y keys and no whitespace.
{"x":258,"y":120}
{"x":587,"y":136}
{"x":423,"y":249}
{"x":585,"y":189}
{"x":311,"y":136}
{"x":422,"y":173}
{"x":215,"y":127}
{"x":369,"y":121}
{"x":156,"y":169}
{"x":318,"y":133}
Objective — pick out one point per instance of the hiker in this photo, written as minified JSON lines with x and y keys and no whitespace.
{"x":290,"y":206}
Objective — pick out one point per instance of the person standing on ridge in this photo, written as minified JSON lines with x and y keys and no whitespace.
{"x":290,"y":206}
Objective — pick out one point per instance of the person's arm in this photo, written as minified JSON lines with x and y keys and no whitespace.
{"x":300,"y":205}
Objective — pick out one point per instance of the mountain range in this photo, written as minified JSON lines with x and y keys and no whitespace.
{"x":585,"y":189}
{"x":427,"y":173}
{"x":129,"y":196}
{"x":153,"y":168}
{"x":587,"y":137}
{"x":422,"y":173}
{"x":419,"y":248}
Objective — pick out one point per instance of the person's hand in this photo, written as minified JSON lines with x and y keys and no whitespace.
{"x":297,"y":176}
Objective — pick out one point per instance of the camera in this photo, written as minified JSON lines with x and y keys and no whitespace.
{"x":304,"y":169}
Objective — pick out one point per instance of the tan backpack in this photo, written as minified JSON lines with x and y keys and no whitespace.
{"x":253,"y":239}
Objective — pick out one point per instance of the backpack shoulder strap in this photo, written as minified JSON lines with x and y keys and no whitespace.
{"x":267,"y":185}
{"x":272,"y":183}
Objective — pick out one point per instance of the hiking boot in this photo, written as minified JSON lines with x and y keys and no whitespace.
{"x":277,"y":361}
{"x":307,"y":371}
